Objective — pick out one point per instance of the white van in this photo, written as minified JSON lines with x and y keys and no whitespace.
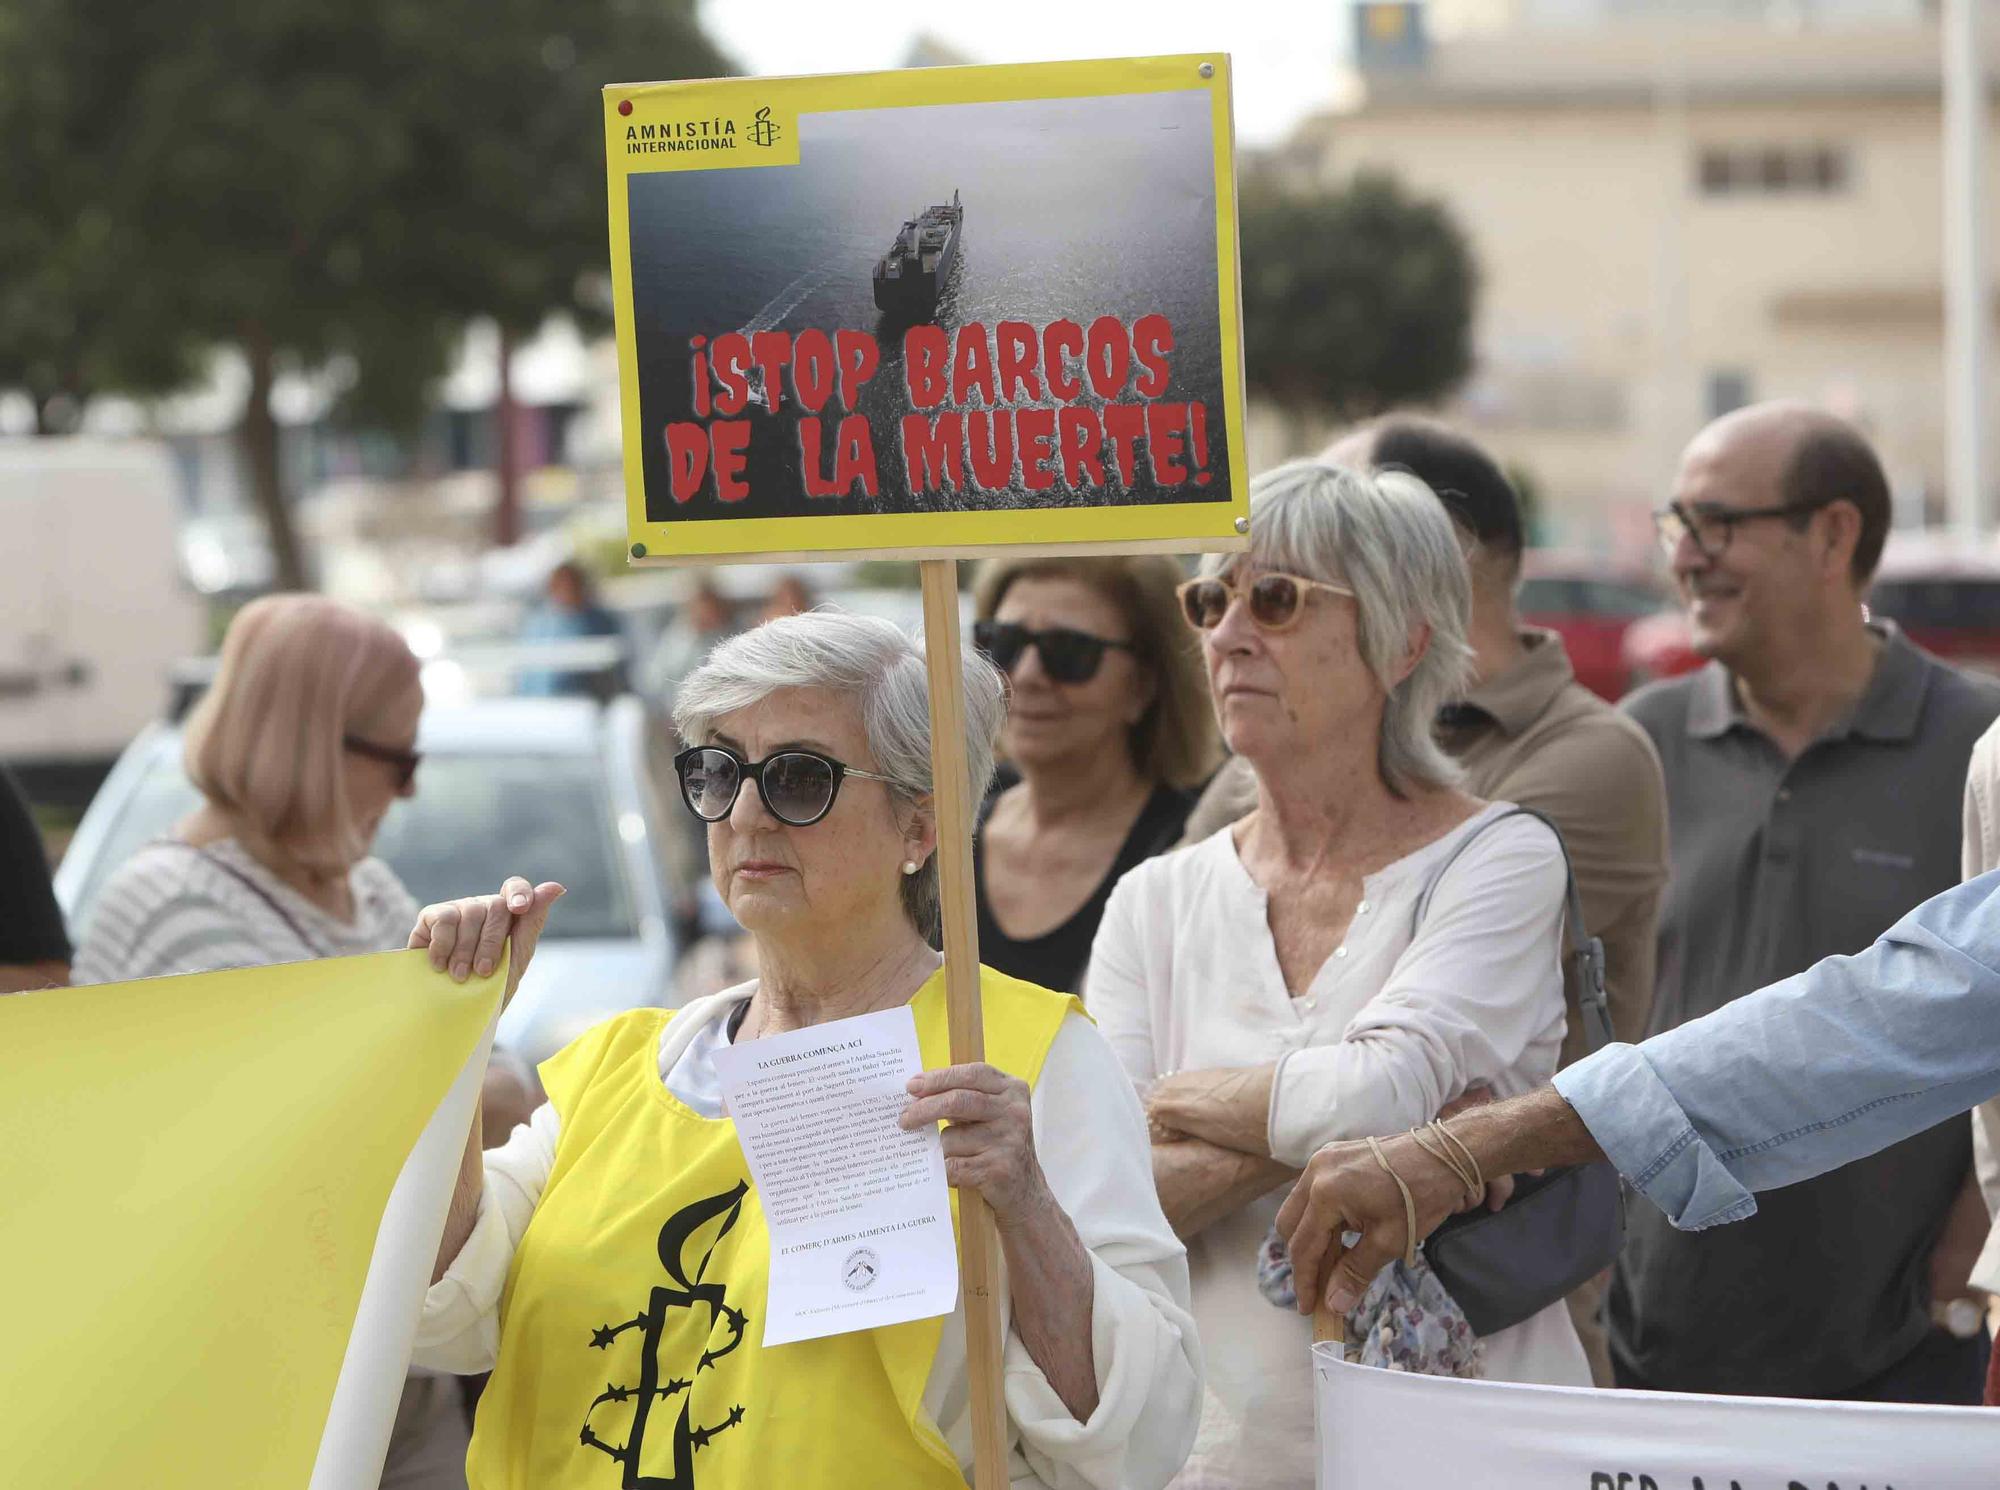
{"x":94,"y":609}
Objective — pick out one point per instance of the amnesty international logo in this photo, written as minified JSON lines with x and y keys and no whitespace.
{"x":663,"y":127}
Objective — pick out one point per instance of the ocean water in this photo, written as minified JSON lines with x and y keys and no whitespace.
{"x":1074,"y":208}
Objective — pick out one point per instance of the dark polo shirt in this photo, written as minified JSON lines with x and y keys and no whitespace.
{"x":1776,"y":865}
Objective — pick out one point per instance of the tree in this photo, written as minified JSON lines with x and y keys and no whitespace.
{"x":78,"y":310}
{"x":1354,"y":301}
{"x":323,"y":185}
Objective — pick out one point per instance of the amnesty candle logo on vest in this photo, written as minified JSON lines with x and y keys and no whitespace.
{"x":689,"y":1435}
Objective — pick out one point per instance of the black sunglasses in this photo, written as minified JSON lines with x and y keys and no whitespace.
{"x":1068,"y":656}
{"x":405,"y":761}
{"x":798,"y":786}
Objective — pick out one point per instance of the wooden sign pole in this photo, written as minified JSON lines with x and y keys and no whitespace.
{"x":978,"y":1242}
{"x":1328,"y":1324}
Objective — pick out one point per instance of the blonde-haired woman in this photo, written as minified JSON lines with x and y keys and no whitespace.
{"x":1362,"y":950}
{"x":306,"y":737}
{"x":1110,"y":731}
{"x":300,"y":747}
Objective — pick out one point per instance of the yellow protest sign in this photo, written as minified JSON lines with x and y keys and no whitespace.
{"x":195,"y":1172}
{"x":929,"y":313}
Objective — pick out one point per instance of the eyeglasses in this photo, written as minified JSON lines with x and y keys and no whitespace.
{"x":1276,"y":600}
{"x":798,"y":786}
{"x":1711,"y":528}
{"x":405,"y":761}
{"x":1068,"y":656}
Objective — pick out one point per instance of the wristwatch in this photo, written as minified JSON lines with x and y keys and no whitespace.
{"x":1961,"y":1317}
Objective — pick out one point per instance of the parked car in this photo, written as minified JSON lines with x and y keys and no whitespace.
{"x":550,"y":788}
{"x":1591,"y":604}
{"x":1945,"y":595}
{"x":1660,"y":647}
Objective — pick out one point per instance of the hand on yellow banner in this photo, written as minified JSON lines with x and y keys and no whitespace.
{"x":466,"y":935}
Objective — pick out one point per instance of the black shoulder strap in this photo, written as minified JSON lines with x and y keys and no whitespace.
{"x":1586,"y":952}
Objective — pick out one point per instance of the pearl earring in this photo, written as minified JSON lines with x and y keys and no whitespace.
{"x":909,"y":866}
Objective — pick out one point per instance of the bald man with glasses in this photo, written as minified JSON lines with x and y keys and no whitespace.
{"x":1814,"y":771}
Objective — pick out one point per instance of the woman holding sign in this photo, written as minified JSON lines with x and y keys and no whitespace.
{"x":611,"y":1265}
{"x":1369,"y":945}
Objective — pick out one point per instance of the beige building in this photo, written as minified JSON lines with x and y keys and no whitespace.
{"x":1674,"y":212}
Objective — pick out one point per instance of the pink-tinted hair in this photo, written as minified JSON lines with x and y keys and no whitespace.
{"x":298,"y":673}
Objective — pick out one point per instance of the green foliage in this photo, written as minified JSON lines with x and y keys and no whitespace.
{"x":329,"y":182}
{"x":1354,"y":301}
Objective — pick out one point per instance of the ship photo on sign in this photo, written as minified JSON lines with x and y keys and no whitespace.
{"x":910,"y":275}
{"x":957,"y":309}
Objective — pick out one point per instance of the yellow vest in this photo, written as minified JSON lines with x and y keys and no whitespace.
{"x":630,"y":1329}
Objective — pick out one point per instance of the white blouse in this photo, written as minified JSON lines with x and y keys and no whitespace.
{"x":1184,"y":976}
{"x":1143,"y":1342}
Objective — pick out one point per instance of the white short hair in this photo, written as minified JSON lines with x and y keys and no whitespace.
{"x":1387,"y":537}
{"x":873,"y":662}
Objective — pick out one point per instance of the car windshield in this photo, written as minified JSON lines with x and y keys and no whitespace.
{"x":476,"y":815}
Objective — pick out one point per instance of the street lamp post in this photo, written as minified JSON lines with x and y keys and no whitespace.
{"x":1967,"y":305}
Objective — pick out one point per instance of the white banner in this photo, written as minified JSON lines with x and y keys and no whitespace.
{"x":1387,"y":1430}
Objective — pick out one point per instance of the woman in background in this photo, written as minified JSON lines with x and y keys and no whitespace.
{"x":1110,"y":733}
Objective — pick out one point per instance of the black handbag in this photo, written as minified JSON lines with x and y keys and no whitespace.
{"x":1560,"y":1228}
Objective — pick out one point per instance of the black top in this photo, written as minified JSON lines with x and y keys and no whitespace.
{"x":31,"y":928}
{"x":1777,"y":864}
{"x":1057,"y":960}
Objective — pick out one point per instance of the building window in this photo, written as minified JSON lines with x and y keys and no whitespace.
{"x":1771,"y":170}
{"x":1728,"y":391}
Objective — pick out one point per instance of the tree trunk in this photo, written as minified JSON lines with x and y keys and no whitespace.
{"x":258,"y":436}
{"x":507,"y":464}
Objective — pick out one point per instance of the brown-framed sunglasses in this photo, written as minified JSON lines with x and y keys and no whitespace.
{"x":404,"y":761}
{"x":1276,"y":601}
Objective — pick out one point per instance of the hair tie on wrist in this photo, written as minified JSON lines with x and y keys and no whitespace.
{"x":1443,"y":1145}
{"x":1409,"y":1203}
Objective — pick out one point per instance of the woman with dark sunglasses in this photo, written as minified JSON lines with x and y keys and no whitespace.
{"x":1109,"y":737}
{"x":809,"y":763}
{"x":1325,"y":967}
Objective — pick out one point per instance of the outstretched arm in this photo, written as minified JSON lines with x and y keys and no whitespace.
{"x":1783,"y":1084}
{"x":1344,"y":1189}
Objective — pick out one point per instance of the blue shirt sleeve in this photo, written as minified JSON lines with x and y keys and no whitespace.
{"x":1801,"y":1077}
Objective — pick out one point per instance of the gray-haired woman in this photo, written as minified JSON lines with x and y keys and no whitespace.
{"x":616,"y":1239}
{"x":1275,"y":987}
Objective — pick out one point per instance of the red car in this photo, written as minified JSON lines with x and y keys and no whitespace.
{"x":1944,"y":593}
{"x":1591,"y":603}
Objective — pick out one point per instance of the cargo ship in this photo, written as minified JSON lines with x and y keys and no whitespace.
{"x":912,"y":274}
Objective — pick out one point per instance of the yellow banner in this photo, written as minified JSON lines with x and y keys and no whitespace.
{"x":934,"y":312}
{"x":194,"y":1172}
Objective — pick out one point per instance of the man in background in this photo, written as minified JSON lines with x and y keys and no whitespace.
{"x":1814,"y":770}
{"x":571,"y":611}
